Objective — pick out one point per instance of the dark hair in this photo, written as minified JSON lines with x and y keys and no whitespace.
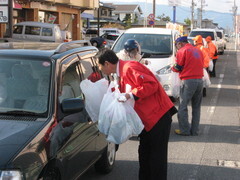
{"x":106,"y":54}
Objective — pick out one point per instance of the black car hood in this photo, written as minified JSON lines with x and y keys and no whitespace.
{"x":13,"y":136}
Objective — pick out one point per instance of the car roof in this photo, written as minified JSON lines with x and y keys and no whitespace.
{"x":33,"y":23}
{"x":200,"y":29}
{"x":44,"y":50}
{"x":149,"y":31}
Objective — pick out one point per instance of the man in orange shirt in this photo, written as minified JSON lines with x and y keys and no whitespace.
{"x":198,"y":42}
{"x":212,"y":54}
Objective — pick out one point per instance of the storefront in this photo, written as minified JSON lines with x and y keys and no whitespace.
{"x":66,"y":16}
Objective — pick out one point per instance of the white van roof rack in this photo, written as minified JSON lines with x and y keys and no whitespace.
{"x":71,"y":45}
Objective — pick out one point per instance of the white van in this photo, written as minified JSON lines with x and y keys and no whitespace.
{"x":37,"y":31}
{"x":205,"y":33}
{"x":157,"y":47}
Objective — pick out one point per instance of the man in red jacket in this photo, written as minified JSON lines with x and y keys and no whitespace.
{"x":189,"y":64}
{"x":153,"y":107}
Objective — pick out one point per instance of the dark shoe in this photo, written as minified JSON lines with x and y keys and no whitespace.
{"x":178,"y":132}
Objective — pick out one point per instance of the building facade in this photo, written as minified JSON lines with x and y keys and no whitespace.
{"x":66,"y":13}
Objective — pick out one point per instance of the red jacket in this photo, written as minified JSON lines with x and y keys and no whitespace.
{"x":153,"y":102}
{"x":190,"y":59}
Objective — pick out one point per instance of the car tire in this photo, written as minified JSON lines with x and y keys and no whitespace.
{"x":95,"y":44}
{"x":105,"y":164}
{"x":51,"y":173}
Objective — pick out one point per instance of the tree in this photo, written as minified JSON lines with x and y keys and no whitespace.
{"x":187,"y":21}
{"x":127,"y":20}
{"x":163,"y":17}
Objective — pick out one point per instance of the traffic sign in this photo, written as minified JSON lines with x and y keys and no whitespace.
{"x":151,"y":23}
{"x":151,"y":16}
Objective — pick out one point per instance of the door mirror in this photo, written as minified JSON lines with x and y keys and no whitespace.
{"x":72,"y":105}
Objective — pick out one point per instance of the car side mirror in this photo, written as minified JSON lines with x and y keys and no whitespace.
{"x":72,"y":105}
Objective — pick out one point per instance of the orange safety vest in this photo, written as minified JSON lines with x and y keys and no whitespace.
{"x":205,"y":55}
{"x":212,"y":50}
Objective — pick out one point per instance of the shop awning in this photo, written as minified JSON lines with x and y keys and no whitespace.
{"x":87,"y":16}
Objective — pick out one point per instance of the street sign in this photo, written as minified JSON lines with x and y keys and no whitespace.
{"x":3,"y":14}
{"x":151,"y":17}
{"x":3,"y":2}
{"x":151,"y":23}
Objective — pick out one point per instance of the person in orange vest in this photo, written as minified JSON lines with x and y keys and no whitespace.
{"x":213,"y":54}
{"x":198,"y":42}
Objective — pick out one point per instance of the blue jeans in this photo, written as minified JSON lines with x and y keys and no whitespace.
{"x":191,"y":90}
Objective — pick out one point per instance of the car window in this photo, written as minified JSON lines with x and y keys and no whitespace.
{"x":90,"y":70}
{"x":112,"y":37}
{"x":47,"y":32}
{"x":204,"y":34}
{"x":219,"y":34}
{"x":150,"y":43}
{"x":17,"y":29}
{"x":32,"y":30}
{"x":26,"y":85}
{"x":70,"y":83}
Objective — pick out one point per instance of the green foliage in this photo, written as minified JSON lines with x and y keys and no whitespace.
{"x":127,"y":20}
{"x":163,"y":17}
{"x":187,"y":21}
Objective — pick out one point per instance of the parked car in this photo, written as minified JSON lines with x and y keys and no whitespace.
{"x":222,"y":41}
{"x":158,"y":48}
{"x":37,"y":31}
{"x":107,"y":39}
{"x":46,"y":133}
{"x":204,"y":33}
{"x":226,"y":37}
{"x":109,"y":30}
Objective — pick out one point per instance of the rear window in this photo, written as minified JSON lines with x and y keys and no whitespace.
{"x":219,"y":34}
{"x":17,"y":29}
{"x":32,"y":30}
{"x":155,"y":44}
{"x":112,"y":37}
{"x":204,"y":34}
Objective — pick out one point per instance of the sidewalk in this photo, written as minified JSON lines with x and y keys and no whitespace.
{"x":215,"y":153}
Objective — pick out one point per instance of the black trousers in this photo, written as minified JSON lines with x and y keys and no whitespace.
{"x":213,"y":72}
{"x":153,"y":150}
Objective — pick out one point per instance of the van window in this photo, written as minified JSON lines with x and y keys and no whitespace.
{"x":32,"y":30}
{"x":47,"y":32}
{"x":17,"y":29}
{"x":204,"y":34}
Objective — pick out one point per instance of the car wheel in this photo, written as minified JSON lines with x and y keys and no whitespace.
{"x":51,"y":174}
{"x":95,"y":44}
{"x":105,"y":164}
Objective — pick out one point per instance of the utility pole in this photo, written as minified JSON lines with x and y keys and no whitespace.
{"x":235,"y":23}
{"x":201,"y":11}
{"x":192,"y":20}
{"x":154,"y":7}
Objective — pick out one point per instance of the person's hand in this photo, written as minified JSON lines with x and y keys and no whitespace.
{"x":124,"y":97}
{"x":146,"y":62}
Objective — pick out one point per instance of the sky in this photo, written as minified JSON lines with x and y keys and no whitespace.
{"x":222,"y":5}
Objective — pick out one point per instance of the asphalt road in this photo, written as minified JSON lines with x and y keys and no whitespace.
{"x":215,"y":153}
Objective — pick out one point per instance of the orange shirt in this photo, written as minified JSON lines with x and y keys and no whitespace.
{"x":212,"y":50}
{"x":205,"y":55}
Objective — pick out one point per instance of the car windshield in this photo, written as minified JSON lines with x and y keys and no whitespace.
{"x":112,"y":37}
{"x":204,"y":34}
{"x":24,"y":87}
{"x":219,"y":34}
{"x":154,"y":44}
